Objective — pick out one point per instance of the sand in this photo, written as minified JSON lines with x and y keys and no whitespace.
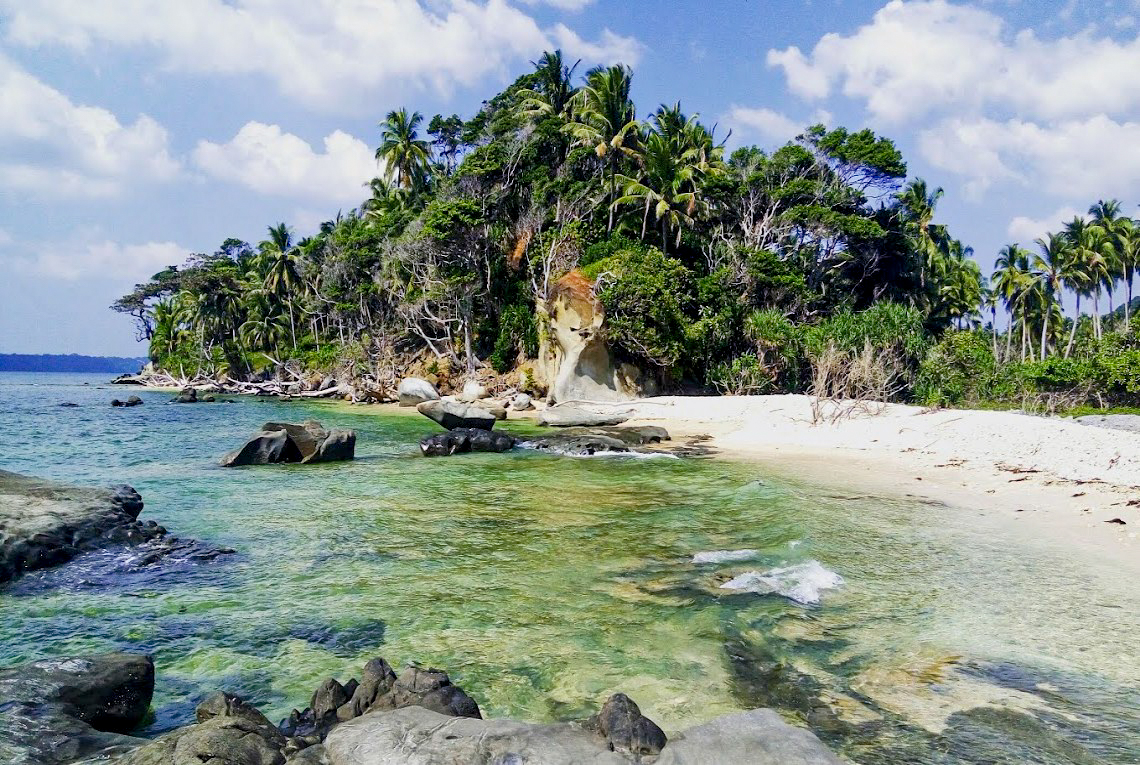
{"x":1051,"y":477}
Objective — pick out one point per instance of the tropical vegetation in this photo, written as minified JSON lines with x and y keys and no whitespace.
{"x":734,"y":271}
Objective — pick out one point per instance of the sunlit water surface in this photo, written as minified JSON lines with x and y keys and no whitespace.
{"x":542,"y":584}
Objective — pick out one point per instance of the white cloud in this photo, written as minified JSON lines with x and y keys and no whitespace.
{"x":1089,"y":157}
{"x":769,"y":125}
{"x":271,"y":161}
{"x":997,"y":105}
{"x":324,"y":53}
{"x":99,"y":259}
{"x":71,"y":150}
{"x":562,"y":5}
{"x":1026,"y":230}
{"x":610,"y":48}
{"x":915,"y":58}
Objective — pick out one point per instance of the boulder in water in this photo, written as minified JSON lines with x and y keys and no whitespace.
{"x":187,"y":396}
{"x":572,"y":416}
{"x":455,"y":414}
{"x":463,"y":440}
{"x":44,"y":524}
{"x":285,"y":442}
{"x":623,"y":726}
{"x":132,"y":401}
{"x":60,"y":710}
{"x":416,"y":390}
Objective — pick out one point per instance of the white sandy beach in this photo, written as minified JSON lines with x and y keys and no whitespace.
{"x":1049,"y":476}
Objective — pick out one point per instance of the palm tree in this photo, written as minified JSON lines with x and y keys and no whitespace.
{"x":1051,"y":267}
{"x":664,"y":187}
{"x":281,"y":270}
{"x":553,"y":91}
{"x":606,"y":120}
{"x":1009,"y":276}
{"x":1088,"y":243}
{"x":168,"y":333}
{"x":918,"y":202}
{"x":1130,"y":258}
{"x":1106,"y":217}
{"x":406,"y":156}
{"x":990,"y":300}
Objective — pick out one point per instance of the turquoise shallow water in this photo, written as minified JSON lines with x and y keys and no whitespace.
{"x":543,"y":584}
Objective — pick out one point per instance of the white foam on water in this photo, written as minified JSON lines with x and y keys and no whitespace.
{"x":795,"y":543}
{"x":803,"y":582}
{"x":724,"y":556}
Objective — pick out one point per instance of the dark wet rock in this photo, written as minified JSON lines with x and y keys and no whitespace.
{"x":128,"y":380}
{"x":577,"y":445}
{"x":455,"y":414}
{"x":44,"y":524}
{"x":572,"y":416}
{"x":377,"y":682}
{"x":132,"y":401}
{"x":217,"y":741}
{"x":71,"y":404}
{"x":463,"y":440}
{"x":625,"y":729}
{"x":284,"y":442}
{"x":187,"y":396}
{"x":326,"y":700}
{"x":59,"y":710}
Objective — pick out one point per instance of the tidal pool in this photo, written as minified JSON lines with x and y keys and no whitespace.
{"x":900,"y":631}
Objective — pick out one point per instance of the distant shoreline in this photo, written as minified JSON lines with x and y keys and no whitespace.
{"x":68,"y":363}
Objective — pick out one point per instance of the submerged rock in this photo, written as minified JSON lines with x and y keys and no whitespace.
{"x":455,"y":414}
{"x":132,"y":401}
{"x":572,"y":416}
{"x":463,"y":440}
{"x":416,"y":390}
{"x":285,"y":442}
{"x":578,"y":445}
{"x":57,"y":711}
{"x":44,"y":524}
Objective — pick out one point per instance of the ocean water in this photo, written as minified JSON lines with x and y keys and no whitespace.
{"x":900,"y":631}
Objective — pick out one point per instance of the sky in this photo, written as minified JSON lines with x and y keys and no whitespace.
{"x":134,"y":132}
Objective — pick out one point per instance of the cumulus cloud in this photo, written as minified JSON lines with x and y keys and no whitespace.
{"x":1024,"y":230}
{"x":609,"y":48}
{"x":322,"y":52}
{"x":271,"y":161}
{"x":915,"y":58}
{"x":77,"y":259}
{"x":562,"y":5}
{"x":1089,"y":157}
{"x":769,"y":125}
{"x":1006,"y":105}
{"x":71,"y":150}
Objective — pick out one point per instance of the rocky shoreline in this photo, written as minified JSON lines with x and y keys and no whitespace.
{"x":81,"y":709}
{"x":45,"y":524}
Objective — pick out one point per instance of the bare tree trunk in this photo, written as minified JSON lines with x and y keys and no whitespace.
{"x":1096,"y":312}
{"x":467,"y":347}
{"x":1044,"y":331}
{"x":1073,"y":333}
{"x":993,"y":331}
{"x":1009,"y":339}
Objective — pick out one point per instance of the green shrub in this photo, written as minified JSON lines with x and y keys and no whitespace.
{"x":644,"y":293}
{"x":517,"y":331}
{"x":744,"y":375}
{"x":960,"y":369}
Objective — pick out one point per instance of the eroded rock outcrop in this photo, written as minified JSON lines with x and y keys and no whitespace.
{"x":576,"y":417}
{"x":574,"y":359}
{"x":286,"y":442}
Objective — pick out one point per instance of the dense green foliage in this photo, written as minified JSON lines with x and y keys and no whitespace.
{"x":737,"y":273}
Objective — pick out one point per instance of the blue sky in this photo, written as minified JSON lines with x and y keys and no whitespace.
{"x":136,"y":131}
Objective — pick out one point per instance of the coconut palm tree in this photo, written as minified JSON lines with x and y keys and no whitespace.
{"x":606,"y":121}
{"x":1009,"y":277}
{"x":1050,"y":267}
{"x":989,"y":302}
{"x":1130,"y":258}
{"x":1089,"y":244}
{"x":554,"y":87}
{"x":405,"y":155}
{"x":281,"y":270}
{"x":664,"y":186}
{"x":1114,"y":230}
{"x":918,"y":203}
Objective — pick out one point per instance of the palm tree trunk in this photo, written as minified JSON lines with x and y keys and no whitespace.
{"x":292,"y":326}
{"x":1096,"y":312}
{"x":1128,"y":305}
{"x":613,"y":183}
{"x":993,"y":330}
{"x":1073,"y":334}
{"x":1009,"y":338}
{"x":1044,"y":330}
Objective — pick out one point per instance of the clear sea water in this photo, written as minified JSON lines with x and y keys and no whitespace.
{"x":900,"y":631}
